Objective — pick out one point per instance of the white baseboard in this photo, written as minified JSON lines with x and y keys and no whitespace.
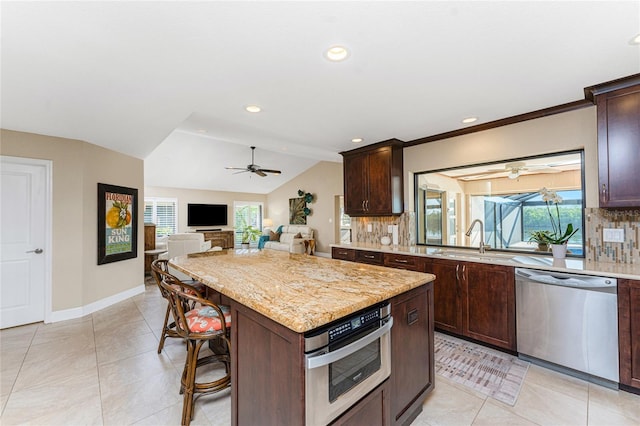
{"x":79,"y":312}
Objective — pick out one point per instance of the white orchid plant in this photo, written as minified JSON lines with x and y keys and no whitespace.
{"x":558,"y":236}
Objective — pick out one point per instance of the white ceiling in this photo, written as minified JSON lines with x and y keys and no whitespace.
{"x":146,"y":78}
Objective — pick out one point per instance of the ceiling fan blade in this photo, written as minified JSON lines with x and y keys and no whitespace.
{"x":236,"y":168}
{"x":275,"y":172}
{"x":241,"y":171}
{"x":259,"y":172}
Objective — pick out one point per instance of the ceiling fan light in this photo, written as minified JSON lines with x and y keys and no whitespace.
{"x":514,"y":174}
{"x":253,"y":108}
{"x":469,"y":120}
{"x":336,"y":53}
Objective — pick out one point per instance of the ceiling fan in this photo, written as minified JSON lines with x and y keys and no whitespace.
{"x":254,"y":168}
{"x":514,"y":170}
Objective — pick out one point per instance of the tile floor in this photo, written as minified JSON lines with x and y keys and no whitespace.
{"x":103,"y":369}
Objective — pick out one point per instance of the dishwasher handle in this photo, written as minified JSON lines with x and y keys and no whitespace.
{"x":566,"y":280}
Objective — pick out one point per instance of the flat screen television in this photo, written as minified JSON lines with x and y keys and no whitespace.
{"x":206,"y":215}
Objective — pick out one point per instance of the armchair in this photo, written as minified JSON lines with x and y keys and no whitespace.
{"x":183,"y":244}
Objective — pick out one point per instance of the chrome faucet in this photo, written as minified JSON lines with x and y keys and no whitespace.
{"x":468,"y":233}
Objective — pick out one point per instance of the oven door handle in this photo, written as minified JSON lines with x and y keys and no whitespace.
{"x":324,"y":359}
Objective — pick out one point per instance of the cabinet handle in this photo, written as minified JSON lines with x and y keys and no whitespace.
{"x":603,"y":196}
{"x":457,"y":269}
{"x":400,"y":261}
{"x":464,"y":267}
{"x":412,"y":317}
{"x":342,"y":252}
{"x":363,"y":209}
{"x":368,"y":256}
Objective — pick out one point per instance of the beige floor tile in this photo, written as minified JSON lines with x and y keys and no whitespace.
{"x":542,"y":405}
{"x":140,"y":399}
{"x":449,"y":405}
{"x":620,"y":403}
{"x":122,"y":312}
{"x":171,"y":416}
{"x":106,"y":332}
{"x":495,"y":414}
{"x":44,"y":366}
{"x":72,"y":329}
{"x":73,"y":400}
{"x":558,"y":382}
{"x":7,"y":380}
{"x":116,"y":376}
{"x":217,"y":407}
{"x":17,"y":338}
{"x":126,"y":346}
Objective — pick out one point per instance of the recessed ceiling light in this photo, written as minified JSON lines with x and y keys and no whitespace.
{"x":253,"y":108}
{"x":336,"y":53}
{"x":635,"y":40}
{"x":470,"y":120}
{"x":202,"y":130}
{"x":357,"y":140}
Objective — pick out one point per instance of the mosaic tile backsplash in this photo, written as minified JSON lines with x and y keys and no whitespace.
{"x":379,"y":228}
{"x":595,"y":221}
{"x":597,"y":250}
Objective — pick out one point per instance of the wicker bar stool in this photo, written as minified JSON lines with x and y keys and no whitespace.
{"x":159,"y":270}
{"x":204,"y":323}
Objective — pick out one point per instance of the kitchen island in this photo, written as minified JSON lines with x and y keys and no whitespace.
{"x":276,"y":297}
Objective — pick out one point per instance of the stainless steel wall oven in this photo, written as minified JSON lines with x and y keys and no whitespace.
{"x":344,"y":361}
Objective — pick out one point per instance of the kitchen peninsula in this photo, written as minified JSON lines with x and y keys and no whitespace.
{"x":277,"y":297}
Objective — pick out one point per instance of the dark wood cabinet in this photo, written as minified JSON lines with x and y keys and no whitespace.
{"x":475,"y":300}
{"x":618,"y":105}
{"x":412,"y":373}
{"x":343,"y":253}
{"x":372,"y":410}
{"x":222,"y":239}
{"x":446,"y":294}
{"x":403,"y":261}
{"x":370,"y":257}
{"x":489,"y":305}
{"x":373,"y":181}
{"x":629,"y":334}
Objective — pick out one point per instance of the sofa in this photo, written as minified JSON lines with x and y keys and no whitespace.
{"x":290,"y":238}
{"x":182,"y":244}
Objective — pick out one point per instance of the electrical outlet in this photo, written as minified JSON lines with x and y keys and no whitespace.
{"x":613,"y":235}
{"x":369,"y":227}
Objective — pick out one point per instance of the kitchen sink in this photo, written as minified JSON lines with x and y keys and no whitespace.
{"x":471,"y":255}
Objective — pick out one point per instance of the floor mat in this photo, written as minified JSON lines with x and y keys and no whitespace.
{"x":493,"y":373}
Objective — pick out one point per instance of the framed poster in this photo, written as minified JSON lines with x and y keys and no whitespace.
{"x":117,"y":223}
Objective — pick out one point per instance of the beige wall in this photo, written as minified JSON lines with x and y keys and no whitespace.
{"x":77,"y":279}
{"x":198,"y":196}
{"x":324,"y":181}
{"x":556,"y":133}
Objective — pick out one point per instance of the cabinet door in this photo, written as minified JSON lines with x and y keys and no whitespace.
{"x":370,"y":257}
{"x":447,"y":307}
{"x":489,"y":304}
{"x":411,"y":352}
{"x":629,"y":332}
{"x":356,"y":173}
{"x":403,"y":261}
{"x":379,"y":190}
{"x":372,"y":410}
{"x":619,"y":147}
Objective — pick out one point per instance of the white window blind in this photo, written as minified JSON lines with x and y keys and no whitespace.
{"x":164,"y":213}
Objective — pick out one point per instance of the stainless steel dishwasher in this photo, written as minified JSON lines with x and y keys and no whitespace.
{"x":570,"y":321}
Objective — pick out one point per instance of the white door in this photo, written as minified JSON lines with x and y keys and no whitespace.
{"x":24,"y":208}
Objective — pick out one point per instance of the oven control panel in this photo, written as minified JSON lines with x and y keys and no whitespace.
{"x":352,"y":324}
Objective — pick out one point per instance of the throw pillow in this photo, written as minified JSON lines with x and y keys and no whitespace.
{"x":274,"y":236}
{"x":297,"y":235}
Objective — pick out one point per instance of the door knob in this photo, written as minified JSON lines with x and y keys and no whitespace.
{"x":36,"y":251}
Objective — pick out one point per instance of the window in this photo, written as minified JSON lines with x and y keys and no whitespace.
{"x":505,"y":197}
{"x":163,"y":212}
{"x":246,"y":214}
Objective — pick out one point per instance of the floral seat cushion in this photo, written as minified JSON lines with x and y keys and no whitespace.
{"x":205,"y":319}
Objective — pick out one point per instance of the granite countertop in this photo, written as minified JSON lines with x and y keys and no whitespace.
{"x":298,"y":291}
{"x":544,"y":262}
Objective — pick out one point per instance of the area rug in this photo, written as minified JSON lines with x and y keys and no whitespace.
{"x":493,"y":373}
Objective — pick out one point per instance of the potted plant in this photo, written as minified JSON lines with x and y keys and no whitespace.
{"x":249,"y":233}
{"x":542,"y":238}
{"x":559,"y":237}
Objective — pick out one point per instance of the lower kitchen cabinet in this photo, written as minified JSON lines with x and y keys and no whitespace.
{"x":629,"y":334}
{"x":412,"y":372}
{"x":475,"y":300}
{"x":371,"y":410}
{"x":343,"y":253}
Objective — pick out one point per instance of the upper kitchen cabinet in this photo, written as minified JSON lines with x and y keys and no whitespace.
{"x":373,"y":184}
{"x":618,"y":105}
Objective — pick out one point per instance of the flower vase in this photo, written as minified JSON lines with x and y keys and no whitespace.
{"x":559,"y":251}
